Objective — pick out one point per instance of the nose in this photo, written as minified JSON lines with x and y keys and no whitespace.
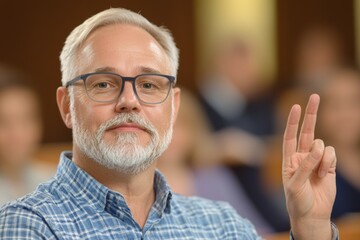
{"x":127,"y":101}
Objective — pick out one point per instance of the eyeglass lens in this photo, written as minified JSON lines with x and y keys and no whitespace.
{"x":107,"y":87}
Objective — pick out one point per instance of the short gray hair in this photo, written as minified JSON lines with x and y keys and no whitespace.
{"x":68,"y":56}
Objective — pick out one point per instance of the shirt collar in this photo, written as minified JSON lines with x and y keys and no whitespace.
{"x":86,"y":189}
{"x":163,"y":194}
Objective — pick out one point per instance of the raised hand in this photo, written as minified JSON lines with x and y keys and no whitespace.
{"x":308,"y":175}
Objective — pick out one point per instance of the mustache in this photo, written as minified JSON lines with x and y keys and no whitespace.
{"x":127,"y":118}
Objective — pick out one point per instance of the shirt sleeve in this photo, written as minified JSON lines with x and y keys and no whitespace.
{"x":334,"y":233}
{"x":22,"y":223}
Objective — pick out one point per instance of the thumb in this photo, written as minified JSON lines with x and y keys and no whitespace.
{"x":309,"y":163}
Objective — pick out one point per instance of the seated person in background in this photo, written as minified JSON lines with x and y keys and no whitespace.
{"x":319,"y":52}
{"x":238,"y":104}
{"x":192,"y":147}
{"x":20,"y":135}
{"x":339,"y":125}
{"x":234,"y":92}
{"x":118,"y":95}
{"x":192,"y":167}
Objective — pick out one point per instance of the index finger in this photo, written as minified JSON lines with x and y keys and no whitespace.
{"x":290,"y":134}
{"x":307,"y":132}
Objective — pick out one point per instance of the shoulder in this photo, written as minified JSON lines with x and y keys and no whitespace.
{"x":44,"y":195}
{"x":33,"y":205}
{"x":215,"y":213}
{"x":25,"y":216}
{"x":18,"y":220}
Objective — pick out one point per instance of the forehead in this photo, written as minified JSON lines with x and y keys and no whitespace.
{"x":122,"y":47}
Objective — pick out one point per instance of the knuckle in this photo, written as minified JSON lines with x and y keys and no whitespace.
{"x":306,"y":165}
{"x":316,"y":154}
{"x":319,"y":143}
{"x":310,"y":161}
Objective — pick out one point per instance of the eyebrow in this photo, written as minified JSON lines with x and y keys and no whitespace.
{"x":105,"y":69}
{"x":141,"y":69}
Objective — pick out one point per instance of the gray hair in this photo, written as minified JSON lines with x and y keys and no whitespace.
{"x":68,"y":56}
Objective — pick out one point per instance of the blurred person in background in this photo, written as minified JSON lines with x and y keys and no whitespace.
{"x":319,"y":53}
{"x":192,"y":146}
{"x":20,"y":136}
{"x":192,"y":164}
{"x":238,"y":103}
{"x":234,"y":93}
{"x":339,"y":125}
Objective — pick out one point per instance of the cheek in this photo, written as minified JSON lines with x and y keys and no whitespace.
{"x":91,"y":115}
{"x":160,"y":117}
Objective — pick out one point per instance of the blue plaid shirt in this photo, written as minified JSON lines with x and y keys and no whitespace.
{"x":73,"y":205}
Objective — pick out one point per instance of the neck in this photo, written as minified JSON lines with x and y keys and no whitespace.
{"x":137,"y":189}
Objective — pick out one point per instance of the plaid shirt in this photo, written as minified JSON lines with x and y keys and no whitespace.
{"x":73,"y":205}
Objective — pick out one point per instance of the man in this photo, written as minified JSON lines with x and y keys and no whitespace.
{"x":119,"y":98}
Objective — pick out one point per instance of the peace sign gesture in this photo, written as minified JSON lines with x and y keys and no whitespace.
{"x":308,"y":175}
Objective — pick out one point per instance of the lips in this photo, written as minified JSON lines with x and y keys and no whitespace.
{"x":127,"y":126}
{"x":127,"y":123}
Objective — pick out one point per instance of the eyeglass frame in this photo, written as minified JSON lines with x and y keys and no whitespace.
{"x":172,"y":80}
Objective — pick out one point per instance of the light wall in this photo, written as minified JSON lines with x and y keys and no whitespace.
{"x":357,"y":30}
{"x":255,"y":18}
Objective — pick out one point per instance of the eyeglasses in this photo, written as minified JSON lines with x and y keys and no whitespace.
{"x":107,"y":87}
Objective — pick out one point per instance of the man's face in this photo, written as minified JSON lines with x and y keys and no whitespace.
{"x":129,"y":51}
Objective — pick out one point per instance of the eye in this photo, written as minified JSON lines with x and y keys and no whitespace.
{"x":102,"y":85}
{"x":102,"y":82}
{"x":151,"y":84}
{"x":147,"y":85}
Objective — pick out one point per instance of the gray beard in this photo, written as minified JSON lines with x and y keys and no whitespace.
{"x":125,"y":155}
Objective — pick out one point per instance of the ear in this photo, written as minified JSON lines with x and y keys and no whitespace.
{"x":177,"y":100}
{"x":63,"y":102}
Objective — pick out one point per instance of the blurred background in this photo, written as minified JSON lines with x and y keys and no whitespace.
{"x":243,"y":63}
{"x":33,"y":33}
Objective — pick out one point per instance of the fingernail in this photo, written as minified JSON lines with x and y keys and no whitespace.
{"x":322,"y":173}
